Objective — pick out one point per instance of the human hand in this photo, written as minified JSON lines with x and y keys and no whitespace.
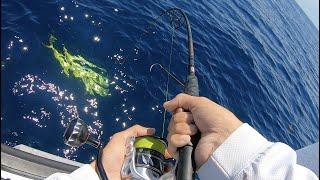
{"x":215,"y":123}
{"x":114,"y":152}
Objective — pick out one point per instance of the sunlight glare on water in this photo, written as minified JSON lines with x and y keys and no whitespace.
{"x":259,"y":59}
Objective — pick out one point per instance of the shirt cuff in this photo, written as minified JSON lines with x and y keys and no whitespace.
{"x":234,"y":154}
{"x":85,"y":172}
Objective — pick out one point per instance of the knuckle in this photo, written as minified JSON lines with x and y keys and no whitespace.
{"x":176,"y":128}
{"x":185,"y":137}
{"x":181,"y":117}
{"x":177,"y":117}
{"x":182,"y":138}
{"x":181,"y":128}
{"x":136,"y":126}
{"x":200,"y":100}
{"x":171,"y":139}
{"x":116,"y":135}
{"x":203,"y":98}
{"x":188,"y":116}
{"x":180,"y":95}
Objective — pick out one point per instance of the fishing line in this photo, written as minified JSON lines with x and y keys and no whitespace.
{"x":176,"y":20}
{"x":171,"y":75}
{"x":152,"y":147}
{"x":155,"y":20}
{"x":168,"y":80}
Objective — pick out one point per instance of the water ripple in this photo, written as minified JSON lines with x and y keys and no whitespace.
{"x":260,"y":59}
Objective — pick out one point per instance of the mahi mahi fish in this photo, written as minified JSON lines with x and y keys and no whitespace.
{"x":90,"y":75}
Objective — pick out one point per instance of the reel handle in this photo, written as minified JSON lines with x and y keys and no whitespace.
{"x":186,"y":163}
{"x":94,"y":142}
{"x":77,"y":134}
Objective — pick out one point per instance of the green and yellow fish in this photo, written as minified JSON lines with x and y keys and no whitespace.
{"x":91,"y":75}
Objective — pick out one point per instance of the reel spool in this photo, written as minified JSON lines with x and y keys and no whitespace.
{"x":145,"y":159}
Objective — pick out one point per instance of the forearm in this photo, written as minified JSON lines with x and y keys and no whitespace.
{"x":248,"y":155}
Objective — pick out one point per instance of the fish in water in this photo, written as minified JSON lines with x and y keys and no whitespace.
{"x":91,"y":75}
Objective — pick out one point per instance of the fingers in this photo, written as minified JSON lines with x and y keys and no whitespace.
{"x":184,"y":118}
{"x":175,"y":141}
{"x":178,"y":110}
{"x":178,"y":140}
{"x":167,"y":154}
{"x":172,"y":150}
{"x":183,"y":128}
{"x":180,"y":129}
{"x":180,"y":101}
{"x":138,"y":130}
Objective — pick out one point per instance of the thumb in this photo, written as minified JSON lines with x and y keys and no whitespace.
{"x":182,"y":100}
{"x":138,"y":130}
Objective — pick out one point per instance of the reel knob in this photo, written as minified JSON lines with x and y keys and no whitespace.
{"x":77,"y":134}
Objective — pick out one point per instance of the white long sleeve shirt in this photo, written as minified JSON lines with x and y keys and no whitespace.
{"x":245,"y":154}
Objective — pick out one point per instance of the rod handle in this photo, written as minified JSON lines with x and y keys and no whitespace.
{"x":185,"y":169}
{"x":186,"y":164}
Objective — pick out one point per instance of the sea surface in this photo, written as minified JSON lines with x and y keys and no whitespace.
{"x":259,"y":59}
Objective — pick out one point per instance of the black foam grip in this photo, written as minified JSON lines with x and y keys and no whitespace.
{"x":185,"y":169}
{"x":186,"y":163}
{"x":192,"y":87}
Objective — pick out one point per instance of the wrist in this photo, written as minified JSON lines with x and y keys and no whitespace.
{"x":212,"y":139}
{"x":110,"y":173}
{"x":222,"y":133}
{"x":93,"y":164}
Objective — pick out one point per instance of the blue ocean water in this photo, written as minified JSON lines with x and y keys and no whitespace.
{"x":259,"y":59}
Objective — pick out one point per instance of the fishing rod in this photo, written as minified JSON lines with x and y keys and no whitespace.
{"x":186,"y":165}
{"x":146,"y":158}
